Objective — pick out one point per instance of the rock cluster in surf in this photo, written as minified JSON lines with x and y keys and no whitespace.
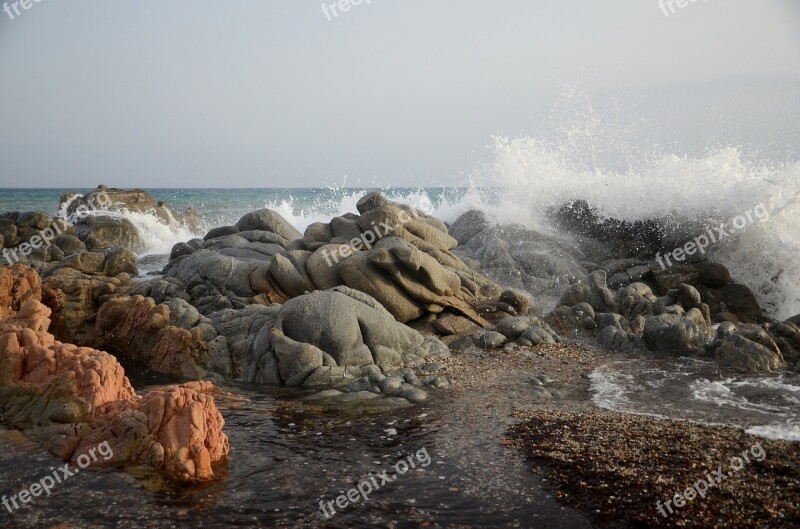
{"x":358,"y":309}
{"x":341,"y":305}
{"x":604,"y":282}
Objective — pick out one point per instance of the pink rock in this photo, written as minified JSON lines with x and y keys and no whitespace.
{"x":77,"y":398}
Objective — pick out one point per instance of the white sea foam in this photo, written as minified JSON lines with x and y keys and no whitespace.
{"x":158,"y":237}
{"x":303,"y":216}
{"x":535,"y":177}
{"x":687,"y":389}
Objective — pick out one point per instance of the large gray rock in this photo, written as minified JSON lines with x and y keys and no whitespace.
{"x":489,"y":339}
{"x":268,"y":220}
{"x":539,"y":335}
{"x":578,"y":320}
{"x":635,"y":300}
{"x":326,"y":337}
{"x":257,"y":245}
{"x":713,"y":275}
{"x":348,"y":326}
{"x":673,"y":335}
{"x":751,"y":353}
{"x":787,"y":337}
{"x":615,"y":339}
{"x":216,"y":281}
{"x":101,"y":232}
{"x":689,"y":296}
{"x":406,"y":280}
{"x":247,"y":341}
{"x":593,"y":291}
{"x":288,"y":272}
{"x":69,"y":245}
{"x":119,"y":261}
{"x":512,"y":328}
{"x":296,"y":360}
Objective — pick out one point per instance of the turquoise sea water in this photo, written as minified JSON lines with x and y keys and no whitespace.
{"x":225,"y":206}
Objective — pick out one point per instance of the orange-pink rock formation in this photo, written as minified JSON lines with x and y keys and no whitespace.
{"x":76,"y":398}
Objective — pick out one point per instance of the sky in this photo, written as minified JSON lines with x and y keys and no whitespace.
{"x":275,"y":93}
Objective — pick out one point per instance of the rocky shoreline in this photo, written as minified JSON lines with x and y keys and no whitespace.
{"x":387,"y":308}
{"x":614,"y":467}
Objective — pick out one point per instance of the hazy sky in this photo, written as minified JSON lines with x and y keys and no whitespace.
{"x":270,"y":93}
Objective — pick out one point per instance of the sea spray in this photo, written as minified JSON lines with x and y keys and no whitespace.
{"x":705,"y":191}
{"x":578,"y":155}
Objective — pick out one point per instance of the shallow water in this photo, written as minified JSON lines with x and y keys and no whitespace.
{"x":691,"y":389}
{"x":288,"y":455}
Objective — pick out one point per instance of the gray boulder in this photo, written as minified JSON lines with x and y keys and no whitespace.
{"x":578,"y":320}
{"x":100,"y":232}
{"x":673,"y":335}
{"x":539,"y":335}
{"x":268,"y":220}
{"x":593,"y":291}
{"x":635,"y":300}
{"x":787,"y":337}
{"x":754,"y":353}
{"x":325,"y":337}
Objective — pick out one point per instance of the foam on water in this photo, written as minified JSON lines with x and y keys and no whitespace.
{"x":158,"y":238}
{"x":689,"y":389}
{"x":443,"y":206}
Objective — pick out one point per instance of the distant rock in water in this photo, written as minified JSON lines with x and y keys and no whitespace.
{"x":101,"y":217}
{"x":99,"y":221}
